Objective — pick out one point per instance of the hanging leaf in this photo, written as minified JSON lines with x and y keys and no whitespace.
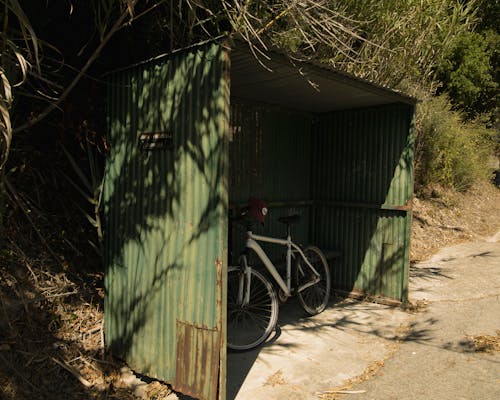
{"x":77,"y":170}
{"x":25,"y":25}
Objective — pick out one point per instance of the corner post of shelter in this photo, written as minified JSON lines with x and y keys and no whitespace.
{"x":411,"y":187}
{"x":224,"y":125}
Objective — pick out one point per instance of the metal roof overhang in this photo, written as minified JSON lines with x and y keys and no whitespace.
{"x":306,"y":86}
{"x":303,"y":85}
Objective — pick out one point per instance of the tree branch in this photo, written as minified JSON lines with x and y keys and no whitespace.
{"x":117,"y":25}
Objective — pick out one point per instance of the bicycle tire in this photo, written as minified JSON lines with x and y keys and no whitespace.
{"x":249,"y":326}
{"x":313,"y":299}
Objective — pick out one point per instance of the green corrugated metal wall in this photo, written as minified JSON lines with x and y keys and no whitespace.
{"x":352,"y":170}
{"x":362,"y":190}
{"x":270,"y":158}
{"x":166,"y":213}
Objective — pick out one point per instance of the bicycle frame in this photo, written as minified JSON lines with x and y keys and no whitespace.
{"x":251,"y":243}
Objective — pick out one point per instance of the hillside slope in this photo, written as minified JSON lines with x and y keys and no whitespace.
{"x":446,"y":217}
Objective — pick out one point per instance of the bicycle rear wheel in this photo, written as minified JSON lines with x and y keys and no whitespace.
{"x":314,"y":298}
{"x":249,"y":325}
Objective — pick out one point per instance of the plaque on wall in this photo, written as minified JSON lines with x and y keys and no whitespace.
{"x":156,"y":141}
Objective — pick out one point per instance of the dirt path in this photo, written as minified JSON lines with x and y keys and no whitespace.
{"x":452,"y":347}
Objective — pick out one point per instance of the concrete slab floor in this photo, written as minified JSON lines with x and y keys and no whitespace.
{"x":310,"y":355}
{"x":440,"y":358}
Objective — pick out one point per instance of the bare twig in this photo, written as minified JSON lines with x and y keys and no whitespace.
{"x":50,"y":296}
{"x":88,"y":363}
{"x":117,"y":25}
{"x":94,"y":329}
{"x":344,"y":392}
{"x":15,"y":198}
{"x":72,"y":371}
{"x":102,"y":340}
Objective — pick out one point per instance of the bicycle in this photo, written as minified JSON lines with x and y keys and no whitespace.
{"x":252,"y":312}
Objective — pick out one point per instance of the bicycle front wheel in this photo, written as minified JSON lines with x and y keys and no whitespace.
{"x":248,"y":325}
{"x":313,"y":298}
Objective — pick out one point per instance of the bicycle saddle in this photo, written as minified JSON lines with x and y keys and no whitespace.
{"x":289,"y":219}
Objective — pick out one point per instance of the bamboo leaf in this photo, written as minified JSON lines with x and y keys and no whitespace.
{"x":92,"y":220}
{"x":7,"y":91}
{"x":25,"y":24}
{"x":86,"y":196}
{"x":6,"y":129}
{"x":23,"y":64}
{"x":95,"y":247}
{"x":93,"y":167}
{"x":77,"y":169}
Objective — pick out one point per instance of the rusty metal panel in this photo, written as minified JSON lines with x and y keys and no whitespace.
{"x":166,"y":219}
{"x":198,"y":347}
{"x":362,"y":185}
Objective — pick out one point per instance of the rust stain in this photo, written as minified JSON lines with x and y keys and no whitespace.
{"x":406,"y":207}
{"x":219,"y":282}
{"x":218,"y":266}
{"x":198,"y":356}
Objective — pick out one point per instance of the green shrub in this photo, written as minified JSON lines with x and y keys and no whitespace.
{"x":449,"y":151}
{"x":469,"y":72}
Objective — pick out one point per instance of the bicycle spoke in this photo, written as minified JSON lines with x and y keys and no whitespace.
{"x":250,"y":324}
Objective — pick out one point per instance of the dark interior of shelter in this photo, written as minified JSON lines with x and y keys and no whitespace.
{"x":332,"y":149}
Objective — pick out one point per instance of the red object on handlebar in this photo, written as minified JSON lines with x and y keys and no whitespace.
{"x":257,"y":208}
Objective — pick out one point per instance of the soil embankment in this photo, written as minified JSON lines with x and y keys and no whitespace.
{"x":445,"y":218}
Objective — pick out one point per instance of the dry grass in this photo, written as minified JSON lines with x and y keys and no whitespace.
{"x":338,"y":393}
{"x":51,"y":330}
{"x":485,"y":343}
{"x":51,"y":335}
{"x":275,"y":379}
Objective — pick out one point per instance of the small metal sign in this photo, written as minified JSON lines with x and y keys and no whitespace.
{"x":156,"y":141}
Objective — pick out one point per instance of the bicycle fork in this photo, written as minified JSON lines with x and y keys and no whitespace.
{"x":244,"y":283}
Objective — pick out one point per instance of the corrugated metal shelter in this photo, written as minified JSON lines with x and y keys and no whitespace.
{"x":192,"y":135}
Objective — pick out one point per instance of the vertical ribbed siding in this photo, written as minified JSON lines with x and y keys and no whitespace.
{"x":166,"y":219}
{"x":363,"y":171}
{"x":269,"y":150}
{"x":270,"y":158}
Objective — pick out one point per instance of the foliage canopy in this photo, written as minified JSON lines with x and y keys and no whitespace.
{"x":419,"y":46}
{"x":469,"y":72}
